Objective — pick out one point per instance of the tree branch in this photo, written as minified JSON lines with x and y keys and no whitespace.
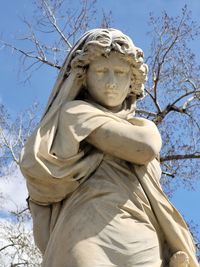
{"x":19,"y":264}
{"x":145,"y":112}
{"x":180,"y":157}
{"x":184,"y":95}
{"x":29,"y":55}
{"x":7,"y":246}
{"x":9,"y":146}
{"x":168,"y":174}
{"x":52,"y":19}
{"x":154,"y":100}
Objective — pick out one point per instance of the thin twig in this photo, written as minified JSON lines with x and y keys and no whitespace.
{"x":154,"y":100}
{"x":168,"y":174}
{"x":180,"y":157}
{"x":9,"y":146}
{"x":27,"y":54}
{"x":53,"y":21}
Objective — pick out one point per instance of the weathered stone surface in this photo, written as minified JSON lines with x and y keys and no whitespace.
{"x":92,"y":168}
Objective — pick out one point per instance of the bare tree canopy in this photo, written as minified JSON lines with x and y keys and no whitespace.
{"x":172,"y":98}
{"x":54,"y":29}
{"x":173,"y":93}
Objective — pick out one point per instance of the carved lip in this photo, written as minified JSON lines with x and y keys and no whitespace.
{"x":110,"y":92}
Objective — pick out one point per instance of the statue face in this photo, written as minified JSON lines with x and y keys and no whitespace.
{"x":108,"y":80}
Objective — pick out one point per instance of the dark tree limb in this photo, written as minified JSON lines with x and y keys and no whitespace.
{"x":180,"y":157}
{"x":31,"y":56}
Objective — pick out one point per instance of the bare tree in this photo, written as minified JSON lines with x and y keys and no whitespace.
{"x":172,"y":92}
{"x":52,"y":32}
{"x":16,"y":239}
{"x":16,"y":242}
{"x":13,"y":134}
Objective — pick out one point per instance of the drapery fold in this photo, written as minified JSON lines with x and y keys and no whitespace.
{"x":171,"y":222}
{"x":53,"y":161}
{"x":57,"y":159}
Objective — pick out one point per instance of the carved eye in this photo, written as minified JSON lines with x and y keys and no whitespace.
{"x":120,"y":72}
{"x":100,"y":71}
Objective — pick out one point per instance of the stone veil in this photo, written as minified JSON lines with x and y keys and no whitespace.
{"x":91,"y":208}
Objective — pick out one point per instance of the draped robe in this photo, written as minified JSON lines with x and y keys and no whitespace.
{"x":93,"y":209}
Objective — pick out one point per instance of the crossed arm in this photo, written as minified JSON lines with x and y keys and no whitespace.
{"x":137,"y":141}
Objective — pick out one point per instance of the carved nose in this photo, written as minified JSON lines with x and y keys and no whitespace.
{"x":111,"y":83}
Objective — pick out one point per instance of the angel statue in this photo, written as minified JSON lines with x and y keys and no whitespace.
{"x":92,"y":167}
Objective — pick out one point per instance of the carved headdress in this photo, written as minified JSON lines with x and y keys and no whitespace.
{"x":92,"y":44}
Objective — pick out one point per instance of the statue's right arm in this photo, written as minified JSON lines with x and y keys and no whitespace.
{"x":138,"y":144}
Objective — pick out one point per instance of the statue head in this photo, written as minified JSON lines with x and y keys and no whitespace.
{"x":108,"y":81}
{"x":100,"y":45}
{"x":104,"y":42}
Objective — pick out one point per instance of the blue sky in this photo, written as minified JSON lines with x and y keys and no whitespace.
{"x":131,"y":16}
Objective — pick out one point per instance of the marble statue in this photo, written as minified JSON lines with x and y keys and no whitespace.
{"x":92,"y":167}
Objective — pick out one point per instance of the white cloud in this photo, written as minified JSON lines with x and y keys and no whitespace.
{"x":16,"y":235}
{"x":14,"y":192}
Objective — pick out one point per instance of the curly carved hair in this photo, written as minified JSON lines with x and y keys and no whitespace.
{"x":102,"y":43}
